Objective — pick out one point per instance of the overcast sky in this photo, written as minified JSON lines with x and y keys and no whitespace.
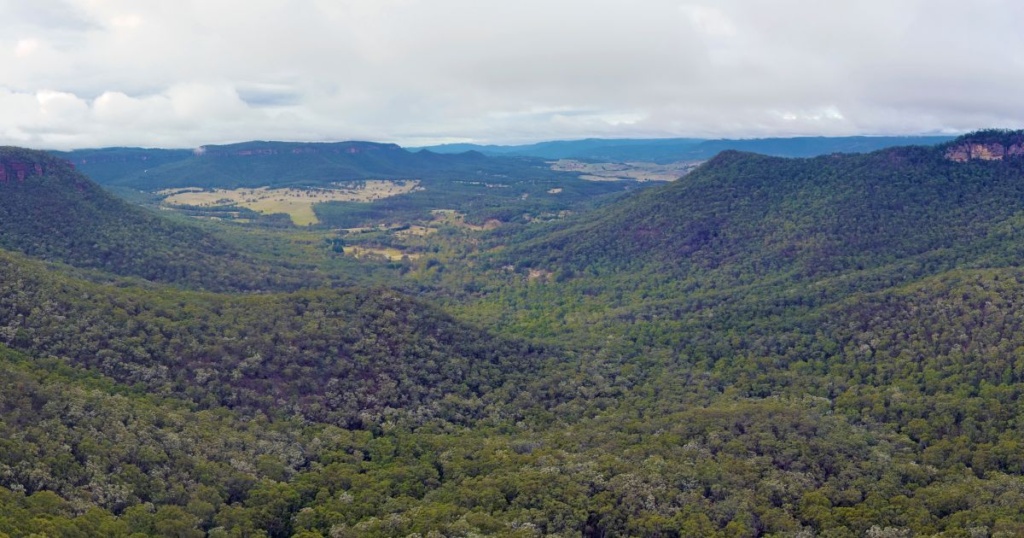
{"x":181,"y":73}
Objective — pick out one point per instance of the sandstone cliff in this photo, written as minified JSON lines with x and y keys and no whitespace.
{"x":986,"y":146}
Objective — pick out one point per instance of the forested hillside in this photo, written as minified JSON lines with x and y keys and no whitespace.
{"x":257,"y":164}
{"x":50,"y":211}
{"x":755,"y":235}
{"x":767,"y":347}
{"x":332,"y":356}
{"x":766,"y":215}
{"x":882,"y":287}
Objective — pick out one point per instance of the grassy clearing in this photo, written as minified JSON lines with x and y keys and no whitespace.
{"x":416,"y":231}
{"x":391,"y":254}
{"x":296,"y":203}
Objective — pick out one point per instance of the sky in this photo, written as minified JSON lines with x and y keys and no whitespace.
{"x":184,"y":73}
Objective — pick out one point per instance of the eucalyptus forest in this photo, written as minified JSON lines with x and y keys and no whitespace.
{"x":817,"y":346}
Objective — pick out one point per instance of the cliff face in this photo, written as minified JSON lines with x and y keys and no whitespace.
{"x":991,"y":151}
{"x":19,"y":165}
{"x":986,"y":146}
{"x":12,"y":170}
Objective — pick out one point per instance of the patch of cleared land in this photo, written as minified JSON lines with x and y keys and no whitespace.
{"x":391,"y":254}
{"x":416,"y":231}
{"x":297,"y":203}
{"x":636,"y":171}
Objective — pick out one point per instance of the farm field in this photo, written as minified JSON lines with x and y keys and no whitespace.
{"x":296,"y":203}
{"x":389,"y":253}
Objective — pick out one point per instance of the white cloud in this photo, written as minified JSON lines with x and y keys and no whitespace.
{"x":709,"y":20}
{"x":206,"y":102}
{"x":26,"y":47}
{"x":126,"y":21}
{"x":56,"y":106}
{"x":89,"y":72}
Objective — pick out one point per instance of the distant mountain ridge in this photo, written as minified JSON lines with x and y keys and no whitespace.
{"x":480,"y":187}
{"x":686,"y":149}
{"x":262,"y":163}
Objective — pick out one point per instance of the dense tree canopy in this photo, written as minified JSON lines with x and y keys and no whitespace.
{"x":767,"y":347}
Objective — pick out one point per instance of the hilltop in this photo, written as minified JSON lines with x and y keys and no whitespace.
{"x":991,"y":145}
{"x":692,"y":149}
{"x":482,"y":188}
{"x":51,"y":211}
{"x":805,"y":218}
{"x":262,"y":163}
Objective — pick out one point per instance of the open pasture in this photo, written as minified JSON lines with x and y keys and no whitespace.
{"x":295,"y":202}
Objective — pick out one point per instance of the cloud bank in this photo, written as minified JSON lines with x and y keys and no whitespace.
{"x":88,"y":73}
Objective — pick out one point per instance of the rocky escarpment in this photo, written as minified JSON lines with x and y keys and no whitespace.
{"x":986,"y":146}
{"x":992,"y":151}
{"x":19,"y":165}
{"x":11,"y":170}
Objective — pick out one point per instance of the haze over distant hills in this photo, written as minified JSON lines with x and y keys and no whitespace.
{"x":687,"y":149}
{"x":479,"y":186}
{"x":257,"y":163}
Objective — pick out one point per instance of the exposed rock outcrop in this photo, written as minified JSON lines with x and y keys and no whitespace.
{"x":986,"y":146}
{"x":985,"y":152}
{"x":11,"y":170}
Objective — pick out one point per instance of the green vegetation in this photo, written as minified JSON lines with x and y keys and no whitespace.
{"x":669,"y":150}
{"x":342,"y":357}
{"x":57,"y":214}
{"x":769,"y":347}
{"x":507,"y":189}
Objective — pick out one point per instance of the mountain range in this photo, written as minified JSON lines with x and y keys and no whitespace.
{"x":260,"y":164}
{"x":768,"y":346}
{"x":668,"y":150}
{"x":257,"y":164}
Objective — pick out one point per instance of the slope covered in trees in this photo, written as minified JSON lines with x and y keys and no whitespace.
{"x":768,"y":347}
{"x":258,"y":164}
{"x":344,"y":357}
{"x":747,"y":236}
{"x":50,"y":211}
{"x":878,"y":291}
{"x":765,"y":215}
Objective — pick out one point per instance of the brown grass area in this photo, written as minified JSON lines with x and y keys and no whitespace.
{"x":297,"y":203}
{"x":416,"y":231}
{"x":391,"y":254}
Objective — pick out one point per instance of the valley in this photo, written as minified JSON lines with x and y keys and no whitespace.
{"x":765,"y":346}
